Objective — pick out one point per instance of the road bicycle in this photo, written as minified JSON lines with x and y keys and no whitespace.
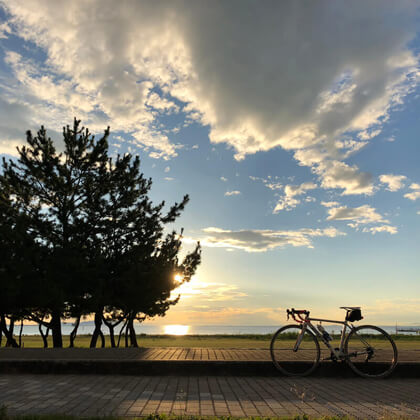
{"x":368,"y":350}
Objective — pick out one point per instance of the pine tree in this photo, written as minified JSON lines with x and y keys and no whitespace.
{"x":99,"y":240}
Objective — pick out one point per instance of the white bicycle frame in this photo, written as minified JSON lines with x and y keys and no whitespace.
{"x":307,"y":324}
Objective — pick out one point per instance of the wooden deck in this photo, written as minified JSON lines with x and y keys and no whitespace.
{"x":158,"y":353}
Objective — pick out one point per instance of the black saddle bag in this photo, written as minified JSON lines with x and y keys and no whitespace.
{"x":354,"y":315}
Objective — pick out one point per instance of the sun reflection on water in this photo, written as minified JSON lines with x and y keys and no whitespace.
{"x":176,"y":329}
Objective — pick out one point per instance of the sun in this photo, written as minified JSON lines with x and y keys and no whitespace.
{"x":176,"y":329}
{"x":178,"y":278}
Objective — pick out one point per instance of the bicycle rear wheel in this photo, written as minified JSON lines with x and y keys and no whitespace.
{"x":371,"y":352}
{"x":301,"y":362}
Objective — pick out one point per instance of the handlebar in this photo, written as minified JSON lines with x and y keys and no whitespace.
{"x":297,"y":312}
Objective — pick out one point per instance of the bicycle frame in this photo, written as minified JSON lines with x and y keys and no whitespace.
{"x":307,"y":324}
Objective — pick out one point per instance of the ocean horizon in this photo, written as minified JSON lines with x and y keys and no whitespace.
{"x":87,"y":327}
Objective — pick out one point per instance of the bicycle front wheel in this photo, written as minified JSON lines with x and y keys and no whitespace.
{"x":292,"y":359}
{"x":371,"y":352}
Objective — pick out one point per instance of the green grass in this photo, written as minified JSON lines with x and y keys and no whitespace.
{"x":242,"y":341}
{"x":208,"y":341}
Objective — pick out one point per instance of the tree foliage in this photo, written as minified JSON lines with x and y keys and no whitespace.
{"x":80,"y":236}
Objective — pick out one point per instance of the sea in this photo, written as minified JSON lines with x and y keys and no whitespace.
{"x":87,"y":328}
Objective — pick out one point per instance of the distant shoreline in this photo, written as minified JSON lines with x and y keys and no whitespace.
{"x":86,"y":329}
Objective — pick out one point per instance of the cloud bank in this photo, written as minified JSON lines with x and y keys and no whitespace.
{"x":318,"y":79}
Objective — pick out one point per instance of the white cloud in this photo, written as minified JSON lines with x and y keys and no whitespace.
{"x":394,"y":182}
{"x":127,"y":65}
{"x":288,"y":201}
{"x":330,"y":203}
{"x":167,"y":169}
{"x":168,"y":178}
{"x":222,"y":178}
{"x":162,"y":104}
{"x":271,"y":182}
{"x":384,"y":228}
{"x":349,"y":147}
{"x":230,"y":193}
{"x":415,"y":194}
{"x":4,"y":30}
{"x":336,"y":174}
{"x":262,"y":240}
{"x":361,"y":215}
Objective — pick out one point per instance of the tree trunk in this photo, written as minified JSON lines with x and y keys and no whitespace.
{"x":74,"y":331}
{"x":111,"y":335}
{"x":111,"y":328}
{"x":11,"y":332}
{"x":44,"y":336}
{"x":97,"y":331}
{"x":56,"y":329}
{"x":20,"y":333}
{"x":126,"y":334}
{"x":132,"y":331}
{"x":101,"y":334}
{"x":121,"y":332}
{"x":10,"y":341}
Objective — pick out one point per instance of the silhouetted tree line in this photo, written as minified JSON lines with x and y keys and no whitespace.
{"x":79,"y":236}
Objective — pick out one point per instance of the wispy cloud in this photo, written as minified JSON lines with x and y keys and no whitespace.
{"x":330,"y":203}
{"x":262,"y":240}
{"x":415,"y":194}
{"x":230,"y":193}
{"x":207,"y":292}
{"x":361,"y":216}
{"x":384,"y":228}
{"x":289,"y":201}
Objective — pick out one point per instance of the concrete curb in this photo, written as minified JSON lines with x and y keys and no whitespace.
{"x":181,"y":368}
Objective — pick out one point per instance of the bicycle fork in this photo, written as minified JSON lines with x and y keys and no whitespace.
{"x":299,"y":338}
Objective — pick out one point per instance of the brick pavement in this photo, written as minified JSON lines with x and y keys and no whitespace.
{"x":91,"y":395}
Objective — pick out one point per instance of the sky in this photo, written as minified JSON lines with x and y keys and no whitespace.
{"x":292,"y":125}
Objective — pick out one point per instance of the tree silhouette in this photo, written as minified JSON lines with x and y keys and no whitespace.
{"x":98,"y":242}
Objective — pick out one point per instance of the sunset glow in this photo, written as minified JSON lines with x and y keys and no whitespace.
{"x":176,"y":329}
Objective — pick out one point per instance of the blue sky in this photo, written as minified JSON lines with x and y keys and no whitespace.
{"x":293,"y":126}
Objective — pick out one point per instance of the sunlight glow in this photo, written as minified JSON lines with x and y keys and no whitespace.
{"x":192,"y":288}
{"x":176,"y":329}
{"x":178,"y":278}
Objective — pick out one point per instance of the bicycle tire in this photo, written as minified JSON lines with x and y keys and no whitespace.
{"x":300,"y":363}
{"x":384,"y":358}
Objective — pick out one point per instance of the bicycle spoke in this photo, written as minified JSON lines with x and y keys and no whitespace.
{"x":286,"y":359}
{"x":371,"y":352}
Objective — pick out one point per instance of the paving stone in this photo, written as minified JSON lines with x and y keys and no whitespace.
{"x":245,"y":396}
